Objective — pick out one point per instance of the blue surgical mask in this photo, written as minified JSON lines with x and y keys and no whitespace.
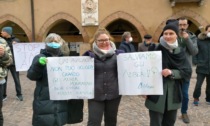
{"x":54,"y":45}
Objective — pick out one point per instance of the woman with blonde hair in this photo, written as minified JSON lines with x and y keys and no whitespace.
{"x":106,"y":98}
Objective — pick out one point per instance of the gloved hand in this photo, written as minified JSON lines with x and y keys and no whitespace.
{"x":119,"y":51}
{"x":43,"y":60}
{"x":89,"y":53}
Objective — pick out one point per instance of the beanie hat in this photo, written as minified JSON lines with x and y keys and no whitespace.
{"x":7,"y":30}
{"x":174,"y":21}
{"x":172,"y":26}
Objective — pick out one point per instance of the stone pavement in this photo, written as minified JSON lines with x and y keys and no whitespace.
{"x":132,"y":111}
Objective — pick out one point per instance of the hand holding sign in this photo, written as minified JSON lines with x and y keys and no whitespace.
{"x":43,"y":60}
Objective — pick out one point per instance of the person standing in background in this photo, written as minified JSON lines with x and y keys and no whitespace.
{"x":126,"y":44}
{"x":202,"y":62}
{"x":5,"y":60}
{"x":145,"y":44}
{"x":6,"y":33}
{"x":188,"y":41}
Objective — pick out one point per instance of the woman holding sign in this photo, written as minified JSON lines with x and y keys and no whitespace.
{"x":48,"y":112}
{"x":106,"y":98}
{"x":176,"y":68}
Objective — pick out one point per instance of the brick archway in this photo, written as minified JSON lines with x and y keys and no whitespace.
{"x":12,"y":18}
{"x":125,"y":16}
{"x":196,"y":18}
{"x":52,"y":20}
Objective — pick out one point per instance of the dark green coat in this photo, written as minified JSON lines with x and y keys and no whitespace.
{"x":172,"y":96}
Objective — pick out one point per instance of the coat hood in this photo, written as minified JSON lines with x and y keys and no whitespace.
{"x":202,"y":36}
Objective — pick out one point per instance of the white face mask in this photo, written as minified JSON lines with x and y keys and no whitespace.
{"x":208,"y":34}
{"x":130,"y":39}
{"x":173,"y":45}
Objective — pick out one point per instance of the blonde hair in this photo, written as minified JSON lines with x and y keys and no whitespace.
{"x":99,"y":32}
{"x":53,"y":37}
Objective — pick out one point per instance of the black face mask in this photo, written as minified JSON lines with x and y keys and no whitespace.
{"x":53,"y":51}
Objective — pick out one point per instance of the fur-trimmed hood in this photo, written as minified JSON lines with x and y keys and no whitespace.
{"x":202,"y":36}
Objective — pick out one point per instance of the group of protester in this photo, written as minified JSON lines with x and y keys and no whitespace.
{"x":177,"y":45}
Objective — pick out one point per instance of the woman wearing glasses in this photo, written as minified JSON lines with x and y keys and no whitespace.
{"x":106,"y":94}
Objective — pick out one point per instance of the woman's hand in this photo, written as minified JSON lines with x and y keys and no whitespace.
{"x":166,"y":72}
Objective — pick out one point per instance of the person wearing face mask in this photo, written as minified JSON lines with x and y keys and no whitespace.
{"x":106,"y":90}
{"x":53,"y":37}
{"x":175,"y":69}
{"x":46,"y":112}
{"x":126,"y":44}
{"x":202,"y":62}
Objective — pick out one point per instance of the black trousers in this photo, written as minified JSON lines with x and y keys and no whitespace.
{"x":109,"y":108}
{"x":168,"y":118}
{"x":197,"y":90}
{"x":1,"y":97}
{"x":16,"y":79}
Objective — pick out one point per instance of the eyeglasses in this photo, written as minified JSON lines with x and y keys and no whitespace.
{"x":183,"y":25}
{"x":103,"y":40}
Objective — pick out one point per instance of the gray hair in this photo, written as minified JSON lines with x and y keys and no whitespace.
{"x":53,"y":37}
{"x":125,"y":34}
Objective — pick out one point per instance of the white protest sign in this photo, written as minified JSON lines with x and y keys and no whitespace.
{"x":140,"y":73}
{"x":71,"y":77}
{"x":24,"y":54}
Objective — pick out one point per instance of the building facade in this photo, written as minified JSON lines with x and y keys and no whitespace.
{"x":32,"y":20}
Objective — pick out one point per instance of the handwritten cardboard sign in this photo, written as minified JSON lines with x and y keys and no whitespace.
{"x":140,"y":73}
{"x":71,"y":77}
{"x":24,"y":54}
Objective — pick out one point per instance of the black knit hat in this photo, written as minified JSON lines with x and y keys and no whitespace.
{"x":172,"y":26}
{"x":174,"y":21}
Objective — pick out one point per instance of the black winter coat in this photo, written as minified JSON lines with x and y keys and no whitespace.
{"x":46,"y":112}
{"x":127,"y":47}
{"x":202,"y":59}
{"x":106,"y":76}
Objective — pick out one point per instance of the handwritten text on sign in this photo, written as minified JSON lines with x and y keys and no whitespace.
{"x":71,"y":77}
{"x":24,"y":54}
{"x":140,"y":73}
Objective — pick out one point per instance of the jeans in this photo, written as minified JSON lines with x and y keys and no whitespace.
{"x":197,"y":90}
{"x":108,"y":108}
{"x":15,"y":76}
{"x":1,"y":97}
{"x":185,"y":100}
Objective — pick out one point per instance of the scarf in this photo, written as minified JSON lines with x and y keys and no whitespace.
{"x":174,"y":61}
{"x":101,"y":54}
{"x":53,"y":51}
